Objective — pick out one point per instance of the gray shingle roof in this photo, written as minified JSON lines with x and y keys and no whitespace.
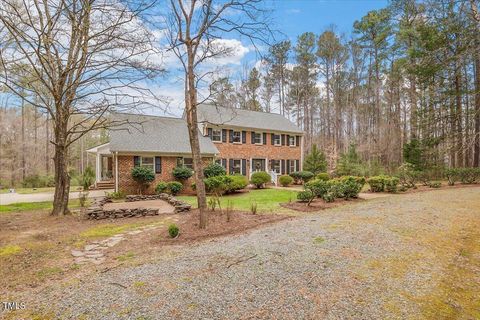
{"x":245,"y":118}
{"x":145,"y":133}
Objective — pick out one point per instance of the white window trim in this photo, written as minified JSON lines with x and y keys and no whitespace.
{"x":279,"y":166}
{"x":279,"y":139}
{"x":261,"y":138}
{"x":220,"y":135}
{"x":295,"y":169}
{"x":183,"y":163}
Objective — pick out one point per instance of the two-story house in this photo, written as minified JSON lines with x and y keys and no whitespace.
{"x":242,"y":141}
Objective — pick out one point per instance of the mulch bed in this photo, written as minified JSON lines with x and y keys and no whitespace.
{"x":318,"y":204}
{"x":217,"y":225}
{"x":423,"y":188}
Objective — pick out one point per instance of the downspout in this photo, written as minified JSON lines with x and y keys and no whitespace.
{"x":301,"y":152}
{"x":116,"y":171}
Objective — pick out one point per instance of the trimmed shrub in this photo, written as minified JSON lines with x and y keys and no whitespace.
{"x":143,"y":176}
{"x":238,"y":182}
{"x":318,"y":187}
{"x":285,"y":180}
{"x":302,"y":176}
{"x":452,"y":176}
{"x":435,"y":184}
{"x":174,"y":187}
{"x":377,"y":184}
{"x":173,"y":230}
{"x":305,"y":196}
{"x":260,"y":178}
{"x":328,"y":197}
{"x":469,"y":175}
{"x":161,"y":187}
{"x":391,"y":184}
{"x":182,"y":173}
{"x":351,"y":187}
{"x":323,"y":176}
{"x":214,"y":170}
{"x":217,"y":184}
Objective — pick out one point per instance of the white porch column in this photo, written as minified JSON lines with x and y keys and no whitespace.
{"x":116,"y":171}
{"x":98,"y":169}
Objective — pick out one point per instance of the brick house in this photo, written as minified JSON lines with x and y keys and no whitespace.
{"x":242,"y":141}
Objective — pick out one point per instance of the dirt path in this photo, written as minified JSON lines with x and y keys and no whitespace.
{"x":410,"y":256}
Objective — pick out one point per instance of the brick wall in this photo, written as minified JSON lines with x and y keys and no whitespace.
{"x":248,"y":151}
{"x":128,"y":185}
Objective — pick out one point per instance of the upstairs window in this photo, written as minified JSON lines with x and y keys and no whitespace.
{"x":257,"y":138}
{"x":291,"y":141}
{"x":277,"y":139}
{"x":217,"y":135}
{"x":237,"y":137}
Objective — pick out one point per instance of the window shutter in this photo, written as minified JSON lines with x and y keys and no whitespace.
{"x":283,"y":139}
{"x":288,"y":166}
{"x":224,"y":163}
{"x":231,"y":136}
{"x":298,"y":141}
{"x":244,"y":137}
{"x":136,"y":161}
{"x":270,"y":164}
{"x":253,"y":137}
{"x":264,"y":138}
{"x":288,"y":140}
{"x":297,"y":165}
{"x":273,"y":139}
{"x":224,"y":135}
{"x":244,"y":167}
{"x":230,"y":166}
{"x":282,"y":166}
{"x":158,"y":164}
{"x":210,"y":133}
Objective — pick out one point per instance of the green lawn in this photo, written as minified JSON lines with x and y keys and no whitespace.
{"x":268,"y":200}
{"x":27,"y":206}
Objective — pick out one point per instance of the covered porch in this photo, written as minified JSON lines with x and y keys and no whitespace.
{"x":105,"y":166}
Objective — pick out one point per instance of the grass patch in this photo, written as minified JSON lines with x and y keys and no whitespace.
{"x":29,"y":206}
{"x":126,"y":257}
{"x":318,"y":240}
{"x":48,"y":272}
{"x":267,"y":200}
{"x":9,"y":250}
{"x":106,"y":230}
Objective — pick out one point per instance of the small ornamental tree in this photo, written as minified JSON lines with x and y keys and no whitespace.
{"x":315,"y":161}
{"x":260,"y":178}
{"x":214,"y":170}
{"x":182,"y":173}
{"x":143,"y":176}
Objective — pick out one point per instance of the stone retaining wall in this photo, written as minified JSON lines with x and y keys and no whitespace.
{"x":96,"y":210}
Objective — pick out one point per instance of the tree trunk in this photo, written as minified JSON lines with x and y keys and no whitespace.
{"x":476,"y":148}
{"x":62,"y":178}
{"x":192,"y":122}
{"x":23,"y":141}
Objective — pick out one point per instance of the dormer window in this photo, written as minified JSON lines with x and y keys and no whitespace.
{"x":291,"y":141}
{"x":217,"y":135}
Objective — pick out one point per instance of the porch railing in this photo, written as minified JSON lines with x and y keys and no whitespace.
{"x":274,"y":176}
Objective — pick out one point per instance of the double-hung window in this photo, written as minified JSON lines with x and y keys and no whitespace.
{"x":277,"y":139}
{"x":147,"y":162}
{"x":292,"y":166}
{"x":237,"y":137}
{"x":276,"y":166}
{"x":185,"y":162}
{"x":237,"y":166}
{"x":217,"y":135}
{"x":257,"y":138}
{"x":291,"y":141}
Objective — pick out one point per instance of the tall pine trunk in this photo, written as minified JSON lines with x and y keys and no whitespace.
{"x":62,"y":178}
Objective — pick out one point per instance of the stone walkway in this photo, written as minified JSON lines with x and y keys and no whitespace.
{"x":95,"y":251}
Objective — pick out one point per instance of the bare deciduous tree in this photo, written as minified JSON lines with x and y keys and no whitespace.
{"x":85,"y":58}
{"x":195,"y":29}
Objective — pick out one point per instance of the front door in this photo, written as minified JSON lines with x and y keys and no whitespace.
{"x":258,"y":165}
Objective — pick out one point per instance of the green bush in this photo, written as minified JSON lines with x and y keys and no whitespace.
{"x":238,"y":182}
{"x":37,"y":181}
{"x":351,"y":187}
{"x":213,"y":170}
{"x":161,"y":187}
{"x":452,"y":176}
{"x":315,"y":161}
{"x":408,"y":175}
{"x":318,"y":187}
{"x":328,"y":197}
{"x":173,"y":230}
{"x":217,"y":184}
{"x":305,"y":196}
{"x":383,"y":183}
{"x":116,"y":195}
{"x":285,"y":180}
{"x":391,"y":184}
{"x":323,"y":176}
{"x":182,"y":173}
{"x":260,"y":178}
{"x":435,"y":184}
{"x":469,"y":175}
{"x":88,"y":178}
{"x":174,"y":187}
{"x":143,"y":176}
{"x":302,"y":176}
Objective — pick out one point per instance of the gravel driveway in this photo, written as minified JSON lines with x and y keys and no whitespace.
{"x":395,"y":257}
